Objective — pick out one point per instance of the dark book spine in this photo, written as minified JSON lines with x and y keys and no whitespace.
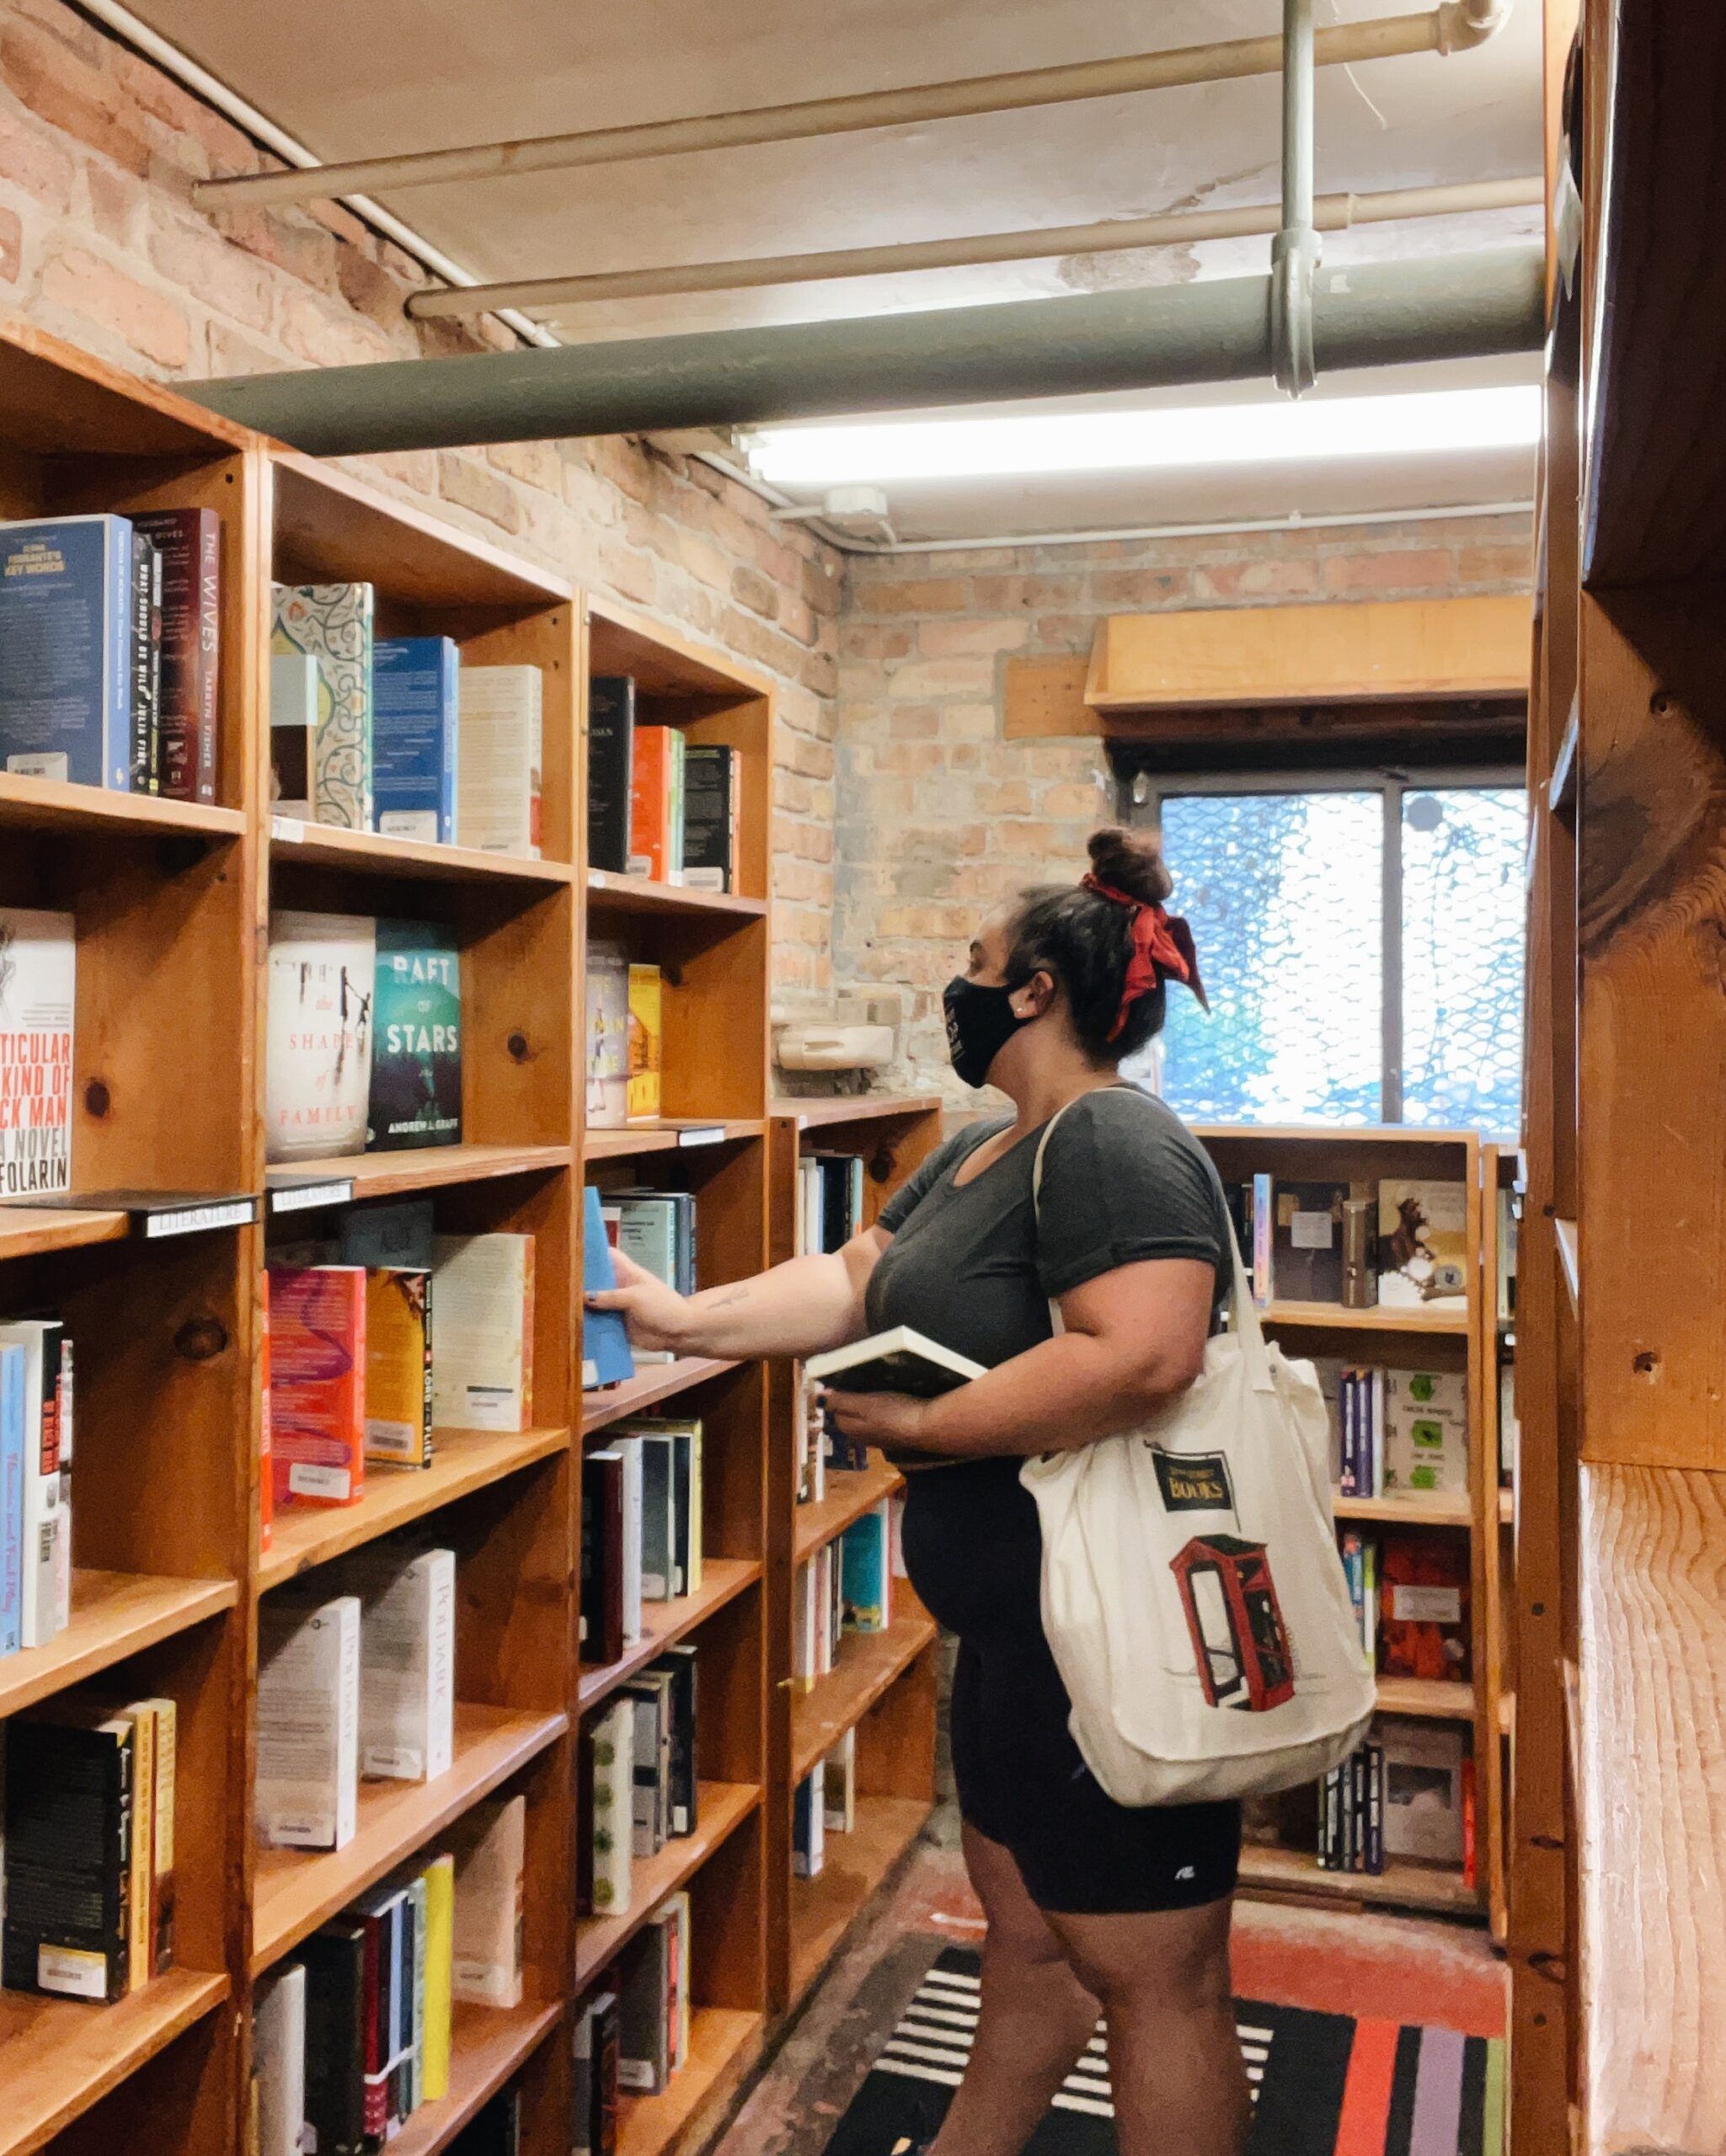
{"x":1375,"y":1809}
{"x":189,"y":542}
{"x":682,"y":1459}
{"x":607,"y":2051}
{"x":681,"y":1661}
{"x":69,"y":1801}
{"x":146,"y":572}
{"x":602,"y":1559}
{"x":611,"y":737}
{"x":374,"y":2009}
{"x":709,"y":816}
{"x":1357,"y":1810}
{"x":335,"y":2038}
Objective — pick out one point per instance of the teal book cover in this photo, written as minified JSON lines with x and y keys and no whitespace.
{"x":416,"y":1054}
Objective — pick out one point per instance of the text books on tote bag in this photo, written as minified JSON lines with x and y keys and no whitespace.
{"x":1193,"y":1596}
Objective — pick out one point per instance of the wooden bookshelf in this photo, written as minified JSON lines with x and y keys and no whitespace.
{"x":721,"y":1807}
{"x":487,"y":2045}
{"x":1282,"y":1873}
{"x":883,"y":1685}
{"x":723,"y":2044}
{"x":664,"y":1623}
{"x":114,"y":1616}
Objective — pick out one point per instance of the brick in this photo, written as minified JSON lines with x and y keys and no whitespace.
{"x":465,"y":480}
{"x":293,"y":244}
{"x":150,"y":323}
{"x":534,"y":464}
{"x":1251,"y":581}
{"x":328,"y":334}
{"x":232,"y":353}
{"x":225,"y":281}
{"x":11,"y":245}
{"x":933,"y":677}
{"x":74,"y":92}
{"x":929,"y":596}
{"x":118,"y":203}
{"x":1399,"y":569}
{"x":365,"y":285}
{"x":33,"y":160}
{"x":1512,"y":565}
{"x":950,"y":639}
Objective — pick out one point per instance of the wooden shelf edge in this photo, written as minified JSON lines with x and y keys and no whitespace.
{"x":851,"y":1691}
{"x":818,"y":1111}
{"x":431,"y":1167}
{"x":664,"y":1623}
{"x":114,"y":1616}
{"x":887,"y":1827}
{"x":487,"y":2045}
{"x":1405,"y":1512}
{"x":724,"y":2044}
{"x":710,"y":671}
{"x":297,"y":1890}
{"x":616,"y":894}
{"x":1426,"y":1699}
{"x":293,"y":839}
{"x":1404,"y":1883}
{"x":1568,"y":1237}
{"x":1381,"y":1317}
{"x":26,"y":1232}
{"x":88,"y":2050}
{"x":619,"y":1142}
{"x":58,"y":805}
{"x":721,"y":1808}
{"x":860,"y":1490}
{"x":658,"y":1381}
{"x":462,"y":1462}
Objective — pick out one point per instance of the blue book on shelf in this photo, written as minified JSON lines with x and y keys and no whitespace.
{"x":65,"y":633}
{"x":864,"y":1578}
{"x":416,"y":687}
{"x":606,"y":1358}
{"x":11,"y":1443}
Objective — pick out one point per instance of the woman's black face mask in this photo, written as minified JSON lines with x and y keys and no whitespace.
{"x":981,"y":1021}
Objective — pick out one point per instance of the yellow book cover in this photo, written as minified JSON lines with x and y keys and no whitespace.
{"x":646,"y":1043}
{"x":439,"y":1962}
{"x":162,"y":1833}
{"x":398,"y":1365}
{"x":140,"y":1930}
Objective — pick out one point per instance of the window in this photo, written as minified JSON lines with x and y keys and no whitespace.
{"x":1361,"y":941}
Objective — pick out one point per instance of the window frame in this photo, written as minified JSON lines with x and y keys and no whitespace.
{"x":1140,"y":792}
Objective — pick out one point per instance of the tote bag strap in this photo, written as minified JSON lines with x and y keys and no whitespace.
{"x":1247,"y":1330}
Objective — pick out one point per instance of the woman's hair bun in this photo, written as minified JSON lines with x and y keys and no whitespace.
{"x":1132,"y":862}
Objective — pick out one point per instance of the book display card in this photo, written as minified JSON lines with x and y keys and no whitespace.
{"x":416,"y":1053}
{"x":38,"y":987}
{"x":333,"y":624}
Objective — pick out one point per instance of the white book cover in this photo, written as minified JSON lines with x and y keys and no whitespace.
{"x":490,"y":1852}
{"x":839,"y":1784}
{"x":293,"y":733}
{"x":317,"y":1056}
{"x":611,"y":1825}
{"x":605,"y":994}
{"x":1425,"y":1430}
{"x":44,"y":1584}
{"x":630,"y":1448}
{"x":38,"y":980}
{"x":279,"y":2056}
{"x":482,"y":1373}
{"x":498,"y":765}
{"x":308,"y":1723}
{"x":406,"y":1665}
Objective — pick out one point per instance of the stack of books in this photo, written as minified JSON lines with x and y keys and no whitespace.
{"x":110,"y":651}
{"x":659,"y":805}
{"x":631,"y":2033}
{"x":846,"y":1587}
{"x":397,"y":735}
{"x":351,"y":2035}
{"x":1408,"y":1793}
{"x":641,"y":1528}
{"x":89,"y":1826}
{"x":638,"y":1779}
{"x":824,"y":1803}
{"x":656,"y":1228}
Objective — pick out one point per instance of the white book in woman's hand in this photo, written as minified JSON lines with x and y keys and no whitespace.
{"x":901,"y":1360}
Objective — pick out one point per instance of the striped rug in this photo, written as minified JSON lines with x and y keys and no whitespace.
{"x":1322,"y":2084}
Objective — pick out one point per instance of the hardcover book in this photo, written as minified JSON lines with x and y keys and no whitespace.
{"x":293,"y":734}
{"x":66,"y":650}
{"x":863,"y":1556}
{"x":709,"y":816}
{"x":482,"y":1289}
{"x":317,"y":1073}
{"x":416,"y":1056}
{"x":398,"y":1365}
{"x":308,"y":1722}
{"x":900,"y":1360}
{"x":1423,"y":1243}
{"x":397,"y":1232}
{"x":415,"y":721}
{"x":407,"y":1663}
{"x":610,"y":735}
{"x":440,"y":1975}
{"x":333,"y":623}
{"x":1425,"y":1434}
{"x":652,"y":791}
{"x":318,"y":1384}
{"x":47,"y":1558}
{"x":189,"y":543}
{"x":38,"y":986}
{"x":279,"y":2059}
{"x":11,"y":1471}
{"x":647,"y":1027}
{"x":335,"y":1956}
{"x":606,"y":1356}
{"x":1423,"y":1600}
{"x":607,"y":999}
{"x":1306,"y":1241}
{"x":609,"y":1811}
{"x":602,"y":1557}
{"x":490,"y":1846}
{"x":643,"y":2063}
{"x":498,"y":765}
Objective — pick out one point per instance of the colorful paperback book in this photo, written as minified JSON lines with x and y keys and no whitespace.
{"x":318,"y":1384}
{"x":398,"y":1366}
{"x":416,"y":1053}
{"x":1306,"y":1241}
{"x":38,"y":986}
{"x":189,"y":543}
{"x":647,"y":1026}
{"x":12,"y":1419}
{"x":606,"y":998}
{"x":864,"y":1562}
{"x":145,"y":665}
{"x":333,"y":623}
{"x":46,"y":1569}
{"x":654,"y":839}
{"x":483,"y":1290}
{"x":318,"y":1064}
{"x":415,"y":733}
{"x":606,"y":1356}
{"x":66,"y":650}
{"x":1425,"y":1432}
{"x":1423,"y":1244}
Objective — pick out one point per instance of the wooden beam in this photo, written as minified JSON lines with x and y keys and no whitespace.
{"x":1044,"y":697}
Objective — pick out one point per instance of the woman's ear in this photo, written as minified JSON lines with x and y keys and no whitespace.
{"x":1032,"y":998}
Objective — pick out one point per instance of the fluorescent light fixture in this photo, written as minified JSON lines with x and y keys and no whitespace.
{"x":1432,"y":423}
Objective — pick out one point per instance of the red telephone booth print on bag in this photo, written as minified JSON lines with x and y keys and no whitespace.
{"x":1238,"y":1640}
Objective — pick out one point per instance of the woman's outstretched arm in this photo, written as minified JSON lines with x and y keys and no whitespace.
{"x":800,"y":1308}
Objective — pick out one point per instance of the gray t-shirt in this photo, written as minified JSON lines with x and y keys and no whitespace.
{"x":973,"y":1267}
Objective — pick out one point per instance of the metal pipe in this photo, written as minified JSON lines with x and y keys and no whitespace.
{"x":1375,"y":314}
{"x":1295,"y":521}
{"x":201,"y":84}
{"x":1295,"y":251}
{"x":1169,"y":228}
{"x":1449,"y":27}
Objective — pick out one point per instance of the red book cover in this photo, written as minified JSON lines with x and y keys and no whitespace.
{"x":650,"y":804}
{"x":1470,"y":1853}
{"x":376,"y":2111}
{"x":318,"y":1384}
{"x":189,"y":541}
{"x":1424,"y":1607}
{"x":266,"y":1486}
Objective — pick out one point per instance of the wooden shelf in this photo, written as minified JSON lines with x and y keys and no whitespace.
{"x":1439,"y":1510}
{"x":487,"y":2045}
{"x":850,"y":1493}
{"x":721,"y":1807}
{"x":114,"y":1615}
{"x":1382,"y":1317}
{"x":823,"y":1908}
{"x":330,"y":846}
{"x":647,"y":1388}
{"x":1432,"y":1698}
{"x":1402,"y":1883}
{"x":60,"y":2055}
{"x":663,"y":1624}
{"x":670,"y":1134}
{"x":724,"y":2044}
{"x":1331,"y":1134}
{"x":48,"y":805}
{"x":464,"y":1460}
{"x":430,"y":1167}
{"x":812,"y":1112}
{"x":609,"y":892}
{"x":29,"y":1230}
{"x":868,"y":1663}
{"x":297,"y":1890}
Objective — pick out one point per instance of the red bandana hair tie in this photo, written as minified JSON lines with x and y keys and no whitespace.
{"x":1163,"y":943}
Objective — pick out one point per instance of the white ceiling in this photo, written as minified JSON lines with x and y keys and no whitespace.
{"x":371,"y":77}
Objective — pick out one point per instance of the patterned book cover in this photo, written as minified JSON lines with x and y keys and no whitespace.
{"x":398,"y":1365}
{"x":317,"y":1072}
{"x":333,"y":623}
{"x":318,"y":1384}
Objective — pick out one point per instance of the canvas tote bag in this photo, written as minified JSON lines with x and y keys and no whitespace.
{"x":1192,"y":1591}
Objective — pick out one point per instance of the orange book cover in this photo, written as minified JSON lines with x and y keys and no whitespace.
{"x":650,"y":804}
{"x":318,"y":1384}
{"x":266,"y":1492}
{"x":1423,"y":1627}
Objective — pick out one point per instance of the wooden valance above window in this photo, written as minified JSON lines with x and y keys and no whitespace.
{"x":1144,"y":669}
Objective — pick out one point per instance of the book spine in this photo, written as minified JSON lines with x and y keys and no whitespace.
{"x":139,"y":1920}
{"x":118,"y":659}
{"x":161,"y":1894}
{"x":1375,"y":1809}
{"x":207,"y":674}
{"x":138,"y":657}
{"x":12,"y":1473}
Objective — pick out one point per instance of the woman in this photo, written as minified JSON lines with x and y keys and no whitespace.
{"x":1088,"y":1902}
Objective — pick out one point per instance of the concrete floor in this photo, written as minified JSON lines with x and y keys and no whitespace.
{"x":1389,"y":1967}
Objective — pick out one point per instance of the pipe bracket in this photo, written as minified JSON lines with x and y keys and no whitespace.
{"x":1294,"y":266}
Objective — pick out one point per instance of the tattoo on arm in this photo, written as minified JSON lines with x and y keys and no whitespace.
{"x":738,"y":1294}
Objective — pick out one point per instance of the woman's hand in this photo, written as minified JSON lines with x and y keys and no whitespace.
{"x":894,"y":1420}
{"x":656,"y":1316}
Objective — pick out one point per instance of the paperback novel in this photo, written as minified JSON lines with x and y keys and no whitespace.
{"x":416,"y":1058}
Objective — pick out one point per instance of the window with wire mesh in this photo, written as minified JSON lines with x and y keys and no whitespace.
{"x":1286,"y":892}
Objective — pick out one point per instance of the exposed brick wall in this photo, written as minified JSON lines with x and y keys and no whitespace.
{"x":940,"y":820}
{"x":99,"y":242}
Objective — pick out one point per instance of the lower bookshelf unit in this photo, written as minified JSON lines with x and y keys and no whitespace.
{"x":823,"y":1908}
